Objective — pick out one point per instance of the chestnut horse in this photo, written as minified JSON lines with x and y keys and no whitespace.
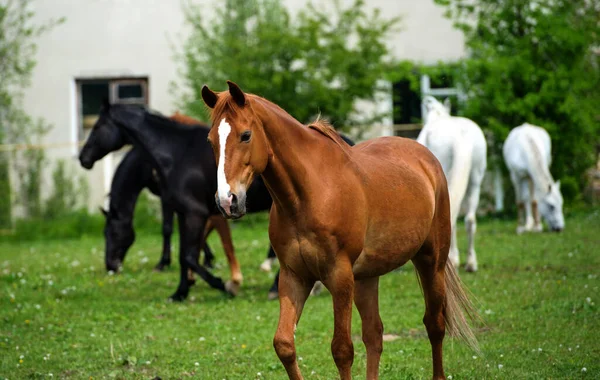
{"x":342,"y":215}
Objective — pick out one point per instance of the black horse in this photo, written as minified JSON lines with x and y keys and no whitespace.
{"x":187,"y":171}
{"x":133,"y":174}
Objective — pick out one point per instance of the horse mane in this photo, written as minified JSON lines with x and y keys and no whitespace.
{"x":225,"y":102}
{"x":324,"y":128}
{"x":186,"y":120}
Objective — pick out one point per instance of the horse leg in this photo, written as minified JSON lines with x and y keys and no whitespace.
{"x":274,"y":291}
{"x":293,"y":292}
{"x":471,"y":225}
{"x":184,"y":285}
{"x":366,"y":298}
{"x":432,"y":278}
{"x":267,"y":265}
{"x":453,"y":255}
{"x":520,"y":206}
{"x":222,"y":226}
{"x":340,"y":283}
{"x":317,"y":288}
{"x":537,"y":224}
{"x":167,"y":231}
{"x":209,"y":257}
{"x":522,"y":195}
{"x":192,"y":230}
{"x":527,"y":198}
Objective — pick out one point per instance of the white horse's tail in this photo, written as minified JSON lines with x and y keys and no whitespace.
{"x":460,"y":174}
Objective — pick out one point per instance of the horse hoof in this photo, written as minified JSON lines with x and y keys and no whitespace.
{"x":266,"y":266}
{"x":471,"y":268}
{"x":232,"y":288}
{"x":178,"y":297}
{"x":272,"y":296}
{"x":522,"y":229}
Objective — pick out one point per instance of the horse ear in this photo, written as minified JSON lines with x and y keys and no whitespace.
{"x":209,"y":96}
{"x":105,"y":103}
{"x":236,"y":93}
{"x":103,"y":211}
{"x":447,"y":104}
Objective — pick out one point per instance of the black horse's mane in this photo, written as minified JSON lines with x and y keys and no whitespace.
{"x":156,"y":118}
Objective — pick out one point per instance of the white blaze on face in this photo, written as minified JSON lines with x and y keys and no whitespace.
{"x":223,"y":188}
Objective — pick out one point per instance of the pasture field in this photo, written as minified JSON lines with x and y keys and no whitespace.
{"x":62,"y":316}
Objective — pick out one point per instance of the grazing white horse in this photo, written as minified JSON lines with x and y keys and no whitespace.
{"x":460,"y":146}
{"x":527,"y":153}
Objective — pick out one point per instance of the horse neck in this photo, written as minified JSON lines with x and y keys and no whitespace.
{"x":436,"y":115}
{"x":287,"y":175}
{"x":538,"y":168}
{"x":163,"y":145}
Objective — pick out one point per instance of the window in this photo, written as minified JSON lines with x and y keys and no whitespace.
{"x":407,"y":111}
{"x":92,"y":92}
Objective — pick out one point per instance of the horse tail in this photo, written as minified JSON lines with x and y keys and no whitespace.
{"x":462,"y":157}
{"x":458,"y":308}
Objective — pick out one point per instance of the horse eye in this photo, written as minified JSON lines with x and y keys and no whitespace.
{"x":245,"y":137}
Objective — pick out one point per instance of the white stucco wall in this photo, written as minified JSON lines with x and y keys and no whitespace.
{"x":111,"y":38}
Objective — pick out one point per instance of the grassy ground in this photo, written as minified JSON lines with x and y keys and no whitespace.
{"x":62,"y":316}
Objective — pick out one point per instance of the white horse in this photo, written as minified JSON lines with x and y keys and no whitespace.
{"x":527,"y":153}
{"x":460,"y":146}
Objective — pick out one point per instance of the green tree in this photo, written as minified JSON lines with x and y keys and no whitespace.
{"x":17,"y":61}
{"x":319,"y":62}
{"x":535,"y":61}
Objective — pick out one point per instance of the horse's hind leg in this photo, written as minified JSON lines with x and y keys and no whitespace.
{"x":167,"y":231}
{"x":537,"y":223}
{"x":366,"y":298}
{"x":430,"y":267}
{"x":453,"y":255}
{"x":472,"y":202}
{"x":222,"y":227}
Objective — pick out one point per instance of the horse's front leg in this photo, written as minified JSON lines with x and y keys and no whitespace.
{"x":184,"y":285}
{"x":167,"y":231}
{"x":293,"y":292}
{"x":194,"y":236}
{"x":340,"y":282}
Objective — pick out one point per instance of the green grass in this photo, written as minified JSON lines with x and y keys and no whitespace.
{"x":60,"y":313}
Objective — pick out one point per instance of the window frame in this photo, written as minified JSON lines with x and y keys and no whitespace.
{"x":113,"y":90}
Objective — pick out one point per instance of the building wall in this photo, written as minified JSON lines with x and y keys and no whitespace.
{"x":112,"y":38}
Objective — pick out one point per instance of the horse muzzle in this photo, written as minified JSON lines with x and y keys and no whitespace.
{"x":113,"y":265}
{"x":86,"y":162}
{"x":232,"y":207}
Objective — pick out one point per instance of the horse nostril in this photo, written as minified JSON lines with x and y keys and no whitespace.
{"x":234,"y":200}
